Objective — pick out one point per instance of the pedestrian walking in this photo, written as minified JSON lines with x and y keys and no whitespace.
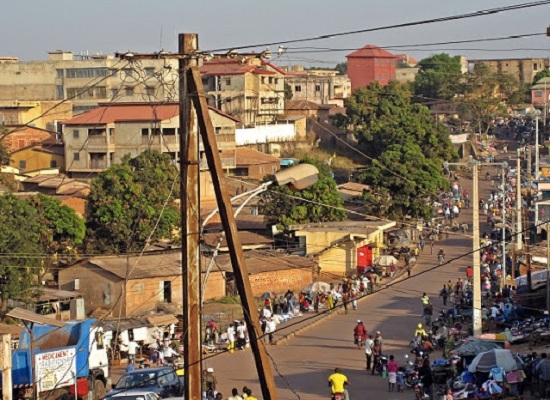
{"x":543,"y":371}
{"x":408,"y":267}
{"x":432,"y":247}
{"x":444,"y":294}
{"x":369,"y":343}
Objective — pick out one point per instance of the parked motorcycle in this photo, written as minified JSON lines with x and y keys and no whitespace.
{"x":381,"y":365}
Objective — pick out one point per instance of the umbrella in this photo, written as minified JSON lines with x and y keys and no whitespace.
{"x":486,"y":361}
{"x":316,"y":286}
{"x":385,"y":261}
{"x":474,"y":347}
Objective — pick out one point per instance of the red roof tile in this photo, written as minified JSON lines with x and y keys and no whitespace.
{"x":371,"y":51}
{"x":113,"y":112}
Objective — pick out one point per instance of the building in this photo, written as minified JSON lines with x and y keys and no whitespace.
{"x":85,"y":80}
{"x":540,"y":95}
{"x":406,"y":74}
{"x":248,"y":88}
{"x":101,"y":137}
{"x":342,"y":248}
{"x":255,"y":164}
{"x":39,"y":156}
{"x":44,"y":115}
{"x":15,"y":137}
{"x":371,"y":64}
{"x":523,"y":69}
{"x":318,"y":86}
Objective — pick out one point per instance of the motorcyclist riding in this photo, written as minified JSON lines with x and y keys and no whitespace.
{"x":360,"y":333}
{"x":338,"y":382}
{"x":420,"y":332}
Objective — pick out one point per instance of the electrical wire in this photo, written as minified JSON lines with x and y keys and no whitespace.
{"x":480,"y":13}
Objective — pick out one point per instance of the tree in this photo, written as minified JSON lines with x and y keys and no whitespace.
{"x":545,"y":73}
{"x":342,"y":68}
{"x":438,"y":77}
{"x":486,"y":95}
{"x":321,"y":202}
{"x":288,"y":92}
{"x":4,"y":155}
{"x":132,"y":202}
{"x":405,"y":146}
{"x":19,"y":237}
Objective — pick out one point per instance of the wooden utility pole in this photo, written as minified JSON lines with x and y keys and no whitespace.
{"x":250,"y":308}
{"x":190,"y":205}
{"x":547,"y":266}
{"x":5,"y":364}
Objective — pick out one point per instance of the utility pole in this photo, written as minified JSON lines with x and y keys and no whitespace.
{"x":503,"y":278}
{"x":537,"y":148}
{"x":190,"y":205}
{"x":5,"y":365}
{"x":548,"y":265}
{"x":477,"y":321}
{"x":250,"y":308}
{"x":528,"y":219}
{"x":519,"y":236}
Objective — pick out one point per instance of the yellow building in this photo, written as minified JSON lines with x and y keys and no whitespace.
{"x":340,"y":248}
{"x":38,"y":156}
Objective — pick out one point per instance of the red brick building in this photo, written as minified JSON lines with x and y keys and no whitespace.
{"x":369,"y":64}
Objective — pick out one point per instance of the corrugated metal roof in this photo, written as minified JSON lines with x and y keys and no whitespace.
{"x":26,"y":315}
{"x":247,"y":238}
{"x":371,"y":51}
{"x":259,"y":261}
{"x":247,"y":156}
{"x":13,"y":330}
{"x":49,"y":294}
{"x":146,"y":266}
{"x":162,"y":319}
{"x":108,"y":114}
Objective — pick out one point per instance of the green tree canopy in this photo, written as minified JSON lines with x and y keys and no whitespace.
{"x":406,"y":148}
{"x":486,"y":94}
{"x":19,"y":239}
{"x":321,"y":202}
{"x":132,"y":201}
{"x":342,"y":68}
{"x":545,"y":73}
{"x":438,"y":77}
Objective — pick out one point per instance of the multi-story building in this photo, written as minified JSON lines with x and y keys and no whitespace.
{"x":248,"y":88}
{"x":319,"y":86}
{"x":369,"y":64}
{"x":523,"y":69}
{"x":87,"y":80}
{"x":101,"y":137}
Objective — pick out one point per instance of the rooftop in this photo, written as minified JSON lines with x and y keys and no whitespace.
{"x":247,"y":156}
{"x":371,"y":51}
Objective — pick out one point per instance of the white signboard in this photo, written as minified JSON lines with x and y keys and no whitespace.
{"x":55,"y":369}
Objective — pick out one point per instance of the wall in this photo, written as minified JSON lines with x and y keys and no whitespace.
{"x":265,"y":133}
{"x":93,"y":294}
{"x":258,"y":171}
{"x":19,"y":138}
{"x":280,"y":281}
{"x":407,"y":74}
{"x":215,"y":285}
{"x":143,"y":295}
{"x":363,"y":70}
{"x":339,"y":261}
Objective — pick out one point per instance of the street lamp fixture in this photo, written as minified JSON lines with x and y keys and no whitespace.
{"x":297,"y":177}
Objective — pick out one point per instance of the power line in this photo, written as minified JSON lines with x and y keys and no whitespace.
{"x":480,"y":13}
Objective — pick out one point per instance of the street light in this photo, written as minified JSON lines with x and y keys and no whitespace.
{"x":297,"y":177}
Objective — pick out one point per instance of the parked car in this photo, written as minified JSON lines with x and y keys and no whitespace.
{"x":162,"y":380}
{"x":135,"y":395}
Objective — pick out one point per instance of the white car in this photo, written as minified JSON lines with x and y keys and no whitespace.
{"x":136,"y":395}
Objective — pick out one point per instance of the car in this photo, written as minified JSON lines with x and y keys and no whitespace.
{"x":161,"y":380}
{"x":135,"y":395}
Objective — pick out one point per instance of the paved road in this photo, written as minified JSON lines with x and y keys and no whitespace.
{"x":303,"y":363}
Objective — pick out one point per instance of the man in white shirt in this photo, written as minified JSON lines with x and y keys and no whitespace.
{"x":241,"y":334}
{"x":132,"y":349}
{"x":169,"y":353}
{"x":368,"y":351}
{"x":270,"y":328}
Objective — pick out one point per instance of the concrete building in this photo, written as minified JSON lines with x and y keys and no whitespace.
{"x":43,"y":115}
{"x":318,"y":86}
{"x":15,"y":137}
{"x":255,"y":164}
{"x":369,"y":64}
{"x":540,"y":95}
{"x":101,"y":137}
{"x":342,"y":248}
{"x":87,"y":80}
{"x":406,"y":74}
{"x":38,"y":156}
{"x":248,"y":88}
{"x":523,"y":69}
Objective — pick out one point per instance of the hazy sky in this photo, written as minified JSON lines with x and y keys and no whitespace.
{"x":31,"y":28}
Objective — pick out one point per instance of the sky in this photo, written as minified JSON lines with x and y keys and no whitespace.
{"x":31,"y":28}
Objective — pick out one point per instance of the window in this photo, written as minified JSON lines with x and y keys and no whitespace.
{"x":317,"y":88}
{"x":85,"y":72}
{"x":535,"y":66}
{"x":150,"y":71}
{"x":276,"y":81}
{"x":76,"y":134}
{"x":165,"y":291}
{"x":263,"y":80}
{"x":150,"y":90}
{"x":53,"y":164}
{"x":111,"y":131}
{"x":59,"y":73}
{"x":59,"y":91}
{"x":298,"y":88}
{"x":129,"y":90}
{"x":76,"y":156}
{"x":22,"y":164}
{"x":76,"y":284}
{"x":262,"y":169}
{"x":144,"y":131}
{"x":139,"y":287}
{"x":270,"y":80}
{"x":127,"y":73}
{"x":21,"y":143}
{"x":169,"y":131}
{"x":538,"y":93}
{"x":228,"y":81}
{"x":96,"y":92}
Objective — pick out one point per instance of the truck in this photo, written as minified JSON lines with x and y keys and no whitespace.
{"x":70,"y":362}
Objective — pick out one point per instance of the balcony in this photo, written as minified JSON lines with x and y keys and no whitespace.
{"x":98,"y":164}
{"x":99,"y":141}
{"x":157,"y":140}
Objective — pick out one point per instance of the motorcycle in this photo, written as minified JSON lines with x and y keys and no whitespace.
{"x":359,"y":340}
{"x":419,"y":392}
{"x":381,"y":365}
{"x":338,"y":396}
